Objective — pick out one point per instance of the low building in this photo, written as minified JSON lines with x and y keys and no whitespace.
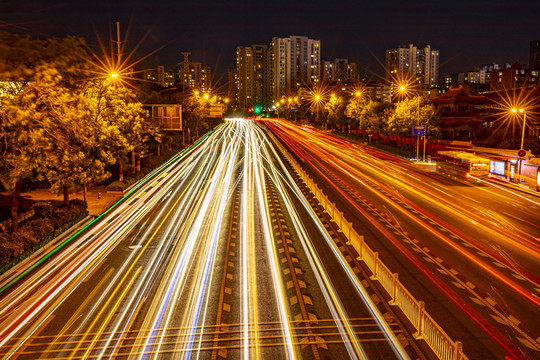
{"x":487,"y":119}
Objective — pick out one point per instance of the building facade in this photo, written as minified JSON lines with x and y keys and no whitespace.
{"x":295,"y":61}
{"x":516,"y":76}
{"x":253,"y":85}
{"x":160,"y":76}
{"x":194,"y":75}
{"x":412,"y":63}
{"x":338,"y":70}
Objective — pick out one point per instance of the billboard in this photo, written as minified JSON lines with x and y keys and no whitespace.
{"x":169,"y":117}
{"x":215,"y":111}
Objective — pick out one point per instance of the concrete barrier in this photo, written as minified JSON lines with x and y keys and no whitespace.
{"x":426,"y":327}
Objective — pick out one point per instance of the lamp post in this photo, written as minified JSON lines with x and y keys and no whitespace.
{"x":515,"y":110}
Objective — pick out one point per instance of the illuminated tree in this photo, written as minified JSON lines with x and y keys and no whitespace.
{"x":59,"y":124}
{"x":414,"y":111}
{"x":24,"y":67}
{"x":374,"y":116}
{"x":123,"y":123}
{"x":354,"y":111}
{"x":196,"y":110}
{"x":335,"y":110}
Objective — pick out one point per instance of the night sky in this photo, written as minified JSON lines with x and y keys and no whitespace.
{"x":467,"y":33}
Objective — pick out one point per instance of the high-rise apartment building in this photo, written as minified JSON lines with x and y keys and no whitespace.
{"x":194,"y":75}
{"x":252,"y":71}
{"x":411,"y":63}
{"x":160,"y":75}
{"x":339,"y":70}
{"x":295,"y":61}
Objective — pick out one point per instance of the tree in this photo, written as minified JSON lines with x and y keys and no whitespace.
{"x":335,"y":109}
{"x":32,"y":69}
{"x":196,"y":110}
{"x":122,"y":122}
{"x":354,"y":112}
{"x":374,"y":116}
{"x":413,"y":111}
{"x":74,"y":155}
{"x":21,"y":154}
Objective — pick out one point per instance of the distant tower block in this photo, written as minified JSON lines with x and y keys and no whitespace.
{"x":186,"y":68}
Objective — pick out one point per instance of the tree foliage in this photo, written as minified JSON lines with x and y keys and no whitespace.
{"x":375,"y":116}
{"x":57,"y":121}
{"x":354,"y":111}
{"x":196,"y":108}
{"x":335,"y":111}
{"x":414,"y":111}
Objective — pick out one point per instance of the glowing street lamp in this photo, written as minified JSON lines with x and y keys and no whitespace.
{"x":515,"y":111}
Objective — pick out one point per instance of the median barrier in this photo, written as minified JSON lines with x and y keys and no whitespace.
{"x":426,"y":327}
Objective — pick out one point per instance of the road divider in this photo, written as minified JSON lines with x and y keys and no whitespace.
{"x":426,"y":327}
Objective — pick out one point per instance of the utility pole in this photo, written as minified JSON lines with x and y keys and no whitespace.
{"x":118,"y":48}
{"x":118,"y":39}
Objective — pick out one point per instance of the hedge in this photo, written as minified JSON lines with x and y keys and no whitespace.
{"x":37,"y":232}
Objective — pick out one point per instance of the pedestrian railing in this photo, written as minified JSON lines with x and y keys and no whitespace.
{"x":426,"y":327}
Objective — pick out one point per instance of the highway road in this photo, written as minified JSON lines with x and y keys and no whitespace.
{"x":470,"y":251}
{"x":215,"y":255}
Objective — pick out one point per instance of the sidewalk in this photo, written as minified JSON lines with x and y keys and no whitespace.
{"x":96,"y":205}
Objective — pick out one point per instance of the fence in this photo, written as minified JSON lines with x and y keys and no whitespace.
{"x":6,"y":225}
{"x":426,"y":327}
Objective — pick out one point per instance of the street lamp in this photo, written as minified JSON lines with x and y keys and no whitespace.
{"x":515,"y":111}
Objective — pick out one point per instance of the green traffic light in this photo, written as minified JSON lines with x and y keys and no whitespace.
{"x":257,"y":110}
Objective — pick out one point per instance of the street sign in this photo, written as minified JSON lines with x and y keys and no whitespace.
{"x":522,"y":153}
{"x":419,"y":129}
{"x":293,"y":107}
{"x":169,"y":117}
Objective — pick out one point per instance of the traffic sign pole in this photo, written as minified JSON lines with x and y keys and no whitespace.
{"x":417,"y":145}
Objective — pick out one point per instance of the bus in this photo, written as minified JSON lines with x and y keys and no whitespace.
{"x":462,"y":165}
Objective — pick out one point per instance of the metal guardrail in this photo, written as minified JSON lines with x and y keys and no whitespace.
{"x":426,"y":327}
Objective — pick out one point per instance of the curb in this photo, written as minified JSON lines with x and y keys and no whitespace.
{"x":523,"y":189}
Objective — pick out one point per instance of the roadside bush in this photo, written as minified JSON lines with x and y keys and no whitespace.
{"x":36,"y":232}
{"x":23,"y":239}
{"x":42,"y":210}
{"x":78,"y":203}
{"x":64,"y":214}
{"x":40,"y":227}
{"x":5,"y":249}
{"x":116,"y":186}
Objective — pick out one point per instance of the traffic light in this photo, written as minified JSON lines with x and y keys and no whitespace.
{"x":258,"y":109}
{"x":249,"y":109}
